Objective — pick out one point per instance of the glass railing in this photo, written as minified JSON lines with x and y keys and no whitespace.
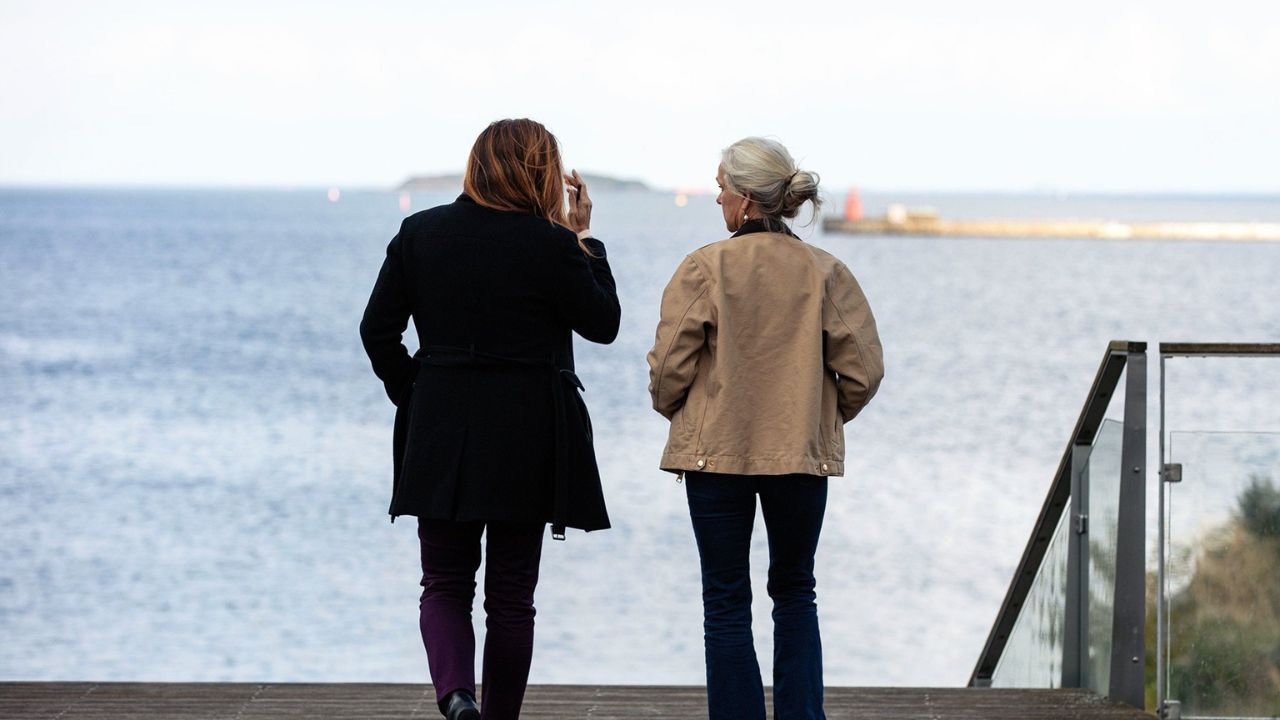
{"x":1075,"y":614}
{"x":1035,"y":652}
{"x":1061,"y":624}
{"x":1032,"y":655}
{"x":1103,"y":503}
{"x":1218,"y":550}
{"x":1222,"y":575}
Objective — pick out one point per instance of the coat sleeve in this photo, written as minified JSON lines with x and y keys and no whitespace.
{"x":851,"y":345}
{"x":385,"y":319}
{"x":686,"y":315}
{"x":585,"y":292}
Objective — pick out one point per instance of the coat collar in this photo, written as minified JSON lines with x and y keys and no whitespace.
{"x":757,"y":225}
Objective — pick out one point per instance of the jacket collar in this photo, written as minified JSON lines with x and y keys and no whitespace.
{"x":757,"y":225}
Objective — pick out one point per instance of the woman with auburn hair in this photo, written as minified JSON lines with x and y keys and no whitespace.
{"x":491,"y":435}
{"x":765,"y":348}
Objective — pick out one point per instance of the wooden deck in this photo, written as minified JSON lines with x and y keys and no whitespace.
{"x":182,"y":701}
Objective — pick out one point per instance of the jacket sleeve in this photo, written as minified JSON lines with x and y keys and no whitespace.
{"x":685,"y":317}
{"x":851,"y":345}
{"x":385,"y":319}
{"x":585,"y":292}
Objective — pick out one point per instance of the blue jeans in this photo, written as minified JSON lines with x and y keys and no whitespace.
{"x":723,"y":509}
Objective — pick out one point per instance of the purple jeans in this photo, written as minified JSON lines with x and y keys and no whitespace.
{"x":450,"y":558}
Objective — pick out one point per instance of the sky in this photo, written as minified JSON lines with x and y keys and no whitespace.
{"x":925,"y":95}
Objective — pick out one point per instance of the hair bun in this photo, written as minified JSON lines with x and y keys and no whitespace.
{"x":764,"y":170}
{"x":802,"y":187}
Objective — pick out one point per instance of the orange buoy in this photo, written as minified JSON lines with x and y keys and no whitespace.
{"x":853,"y":205}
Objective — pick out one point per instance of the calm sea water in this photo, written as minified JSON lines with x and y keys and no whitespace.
{"x":195,"y":456}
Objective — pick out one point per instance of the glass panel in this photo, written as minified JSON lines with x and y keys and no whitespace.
{"x":1104,"y":513}
{"x":1032,"y":656}
{"x":1222,"y":579}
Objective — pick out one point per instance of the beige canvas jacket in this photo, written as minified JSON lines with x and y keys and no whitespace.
{"x":765,"y":348}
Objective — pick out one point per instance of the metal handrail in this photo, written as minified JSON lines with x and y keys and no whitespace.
{"x":1168,"y":350}
{"x":1130,"y":579}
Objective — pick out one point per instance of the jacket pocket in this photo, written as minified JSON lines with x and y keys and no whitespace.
{"x":692,"y":411}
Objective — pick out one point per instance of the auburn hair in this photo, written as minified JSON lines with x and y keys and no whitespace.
{"x":514,"y":166}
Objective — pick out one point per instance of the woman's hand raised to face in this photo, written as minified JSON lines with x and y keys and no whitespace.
{"x":579,"y":202}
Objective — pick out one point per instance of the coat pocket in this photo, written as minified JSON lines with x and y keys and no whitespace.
{"x":583,"y":415}
{"x":400,"y":442}
{"x":573,"y":387}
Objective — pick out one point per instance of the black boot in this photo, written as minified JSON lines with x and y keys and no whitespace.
{"x":460,"y":705}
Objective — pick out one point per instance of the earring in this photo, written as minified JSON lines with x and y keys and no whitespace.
{"x":744,"y":217}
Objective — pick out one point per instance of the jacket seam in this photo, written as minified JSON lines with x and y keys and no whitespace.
{"x":666,"y":355}
{"x":706,"y":402}
{"x":857,"y":342}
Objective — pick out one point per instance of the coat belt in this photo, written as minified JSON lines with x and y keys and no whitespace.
{"x":449,"y":356}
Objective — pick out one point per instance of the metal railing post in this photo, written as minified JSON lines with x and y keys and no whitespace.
{"x":1128,"y":643}
{"x":1161,"y":610}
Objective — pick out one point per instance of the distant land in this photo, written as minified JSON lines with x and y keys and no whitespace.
{"x":452,"y":182}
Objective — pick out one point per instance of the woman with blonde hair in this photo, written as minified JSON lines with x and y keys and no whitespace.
{"x":765,"y":348}
{"x":491,"y":436}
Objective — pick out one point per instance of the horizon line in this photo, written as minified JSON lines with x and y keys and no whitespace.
{"x":690,"y":190}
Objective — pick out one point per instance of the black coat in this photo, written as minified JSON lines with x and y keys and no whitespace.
{"x":489,"y":423}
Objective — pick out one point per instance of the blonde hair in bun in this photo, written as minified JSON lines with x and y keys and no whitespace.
{"x":762,"y":170}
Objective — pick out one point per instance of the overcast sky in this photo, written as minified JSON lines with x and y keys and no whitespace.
{"x":1121,"y":95}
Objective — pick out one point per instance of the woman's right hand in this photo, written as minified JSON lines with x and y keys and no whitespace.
{"x":579,"y":203}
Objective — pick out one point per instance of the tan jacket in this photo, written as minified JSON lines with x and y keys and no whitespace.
{"x":765,"y":348}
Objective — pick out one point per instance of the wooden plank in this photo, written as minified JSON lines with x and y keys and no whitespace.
{"x":249,"y":701}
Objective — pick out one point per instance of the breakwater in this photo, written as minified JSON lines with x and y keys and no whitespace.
{"x":932,"y":226}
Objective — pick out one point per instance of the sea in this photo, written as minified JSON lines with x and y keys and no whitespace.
{"x":195,"y":457}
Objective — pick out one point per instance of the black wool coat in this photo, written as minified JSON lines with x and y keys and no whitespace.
{"x":489,"y":422}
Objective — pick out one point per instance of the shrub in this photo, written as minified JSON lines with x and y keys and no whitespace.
{"x":1258,"y":507}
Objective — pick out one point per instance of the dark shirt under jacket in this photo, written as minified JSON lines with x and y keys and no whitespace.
{"x":479,"y":438}
{"x":759,"y":225}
